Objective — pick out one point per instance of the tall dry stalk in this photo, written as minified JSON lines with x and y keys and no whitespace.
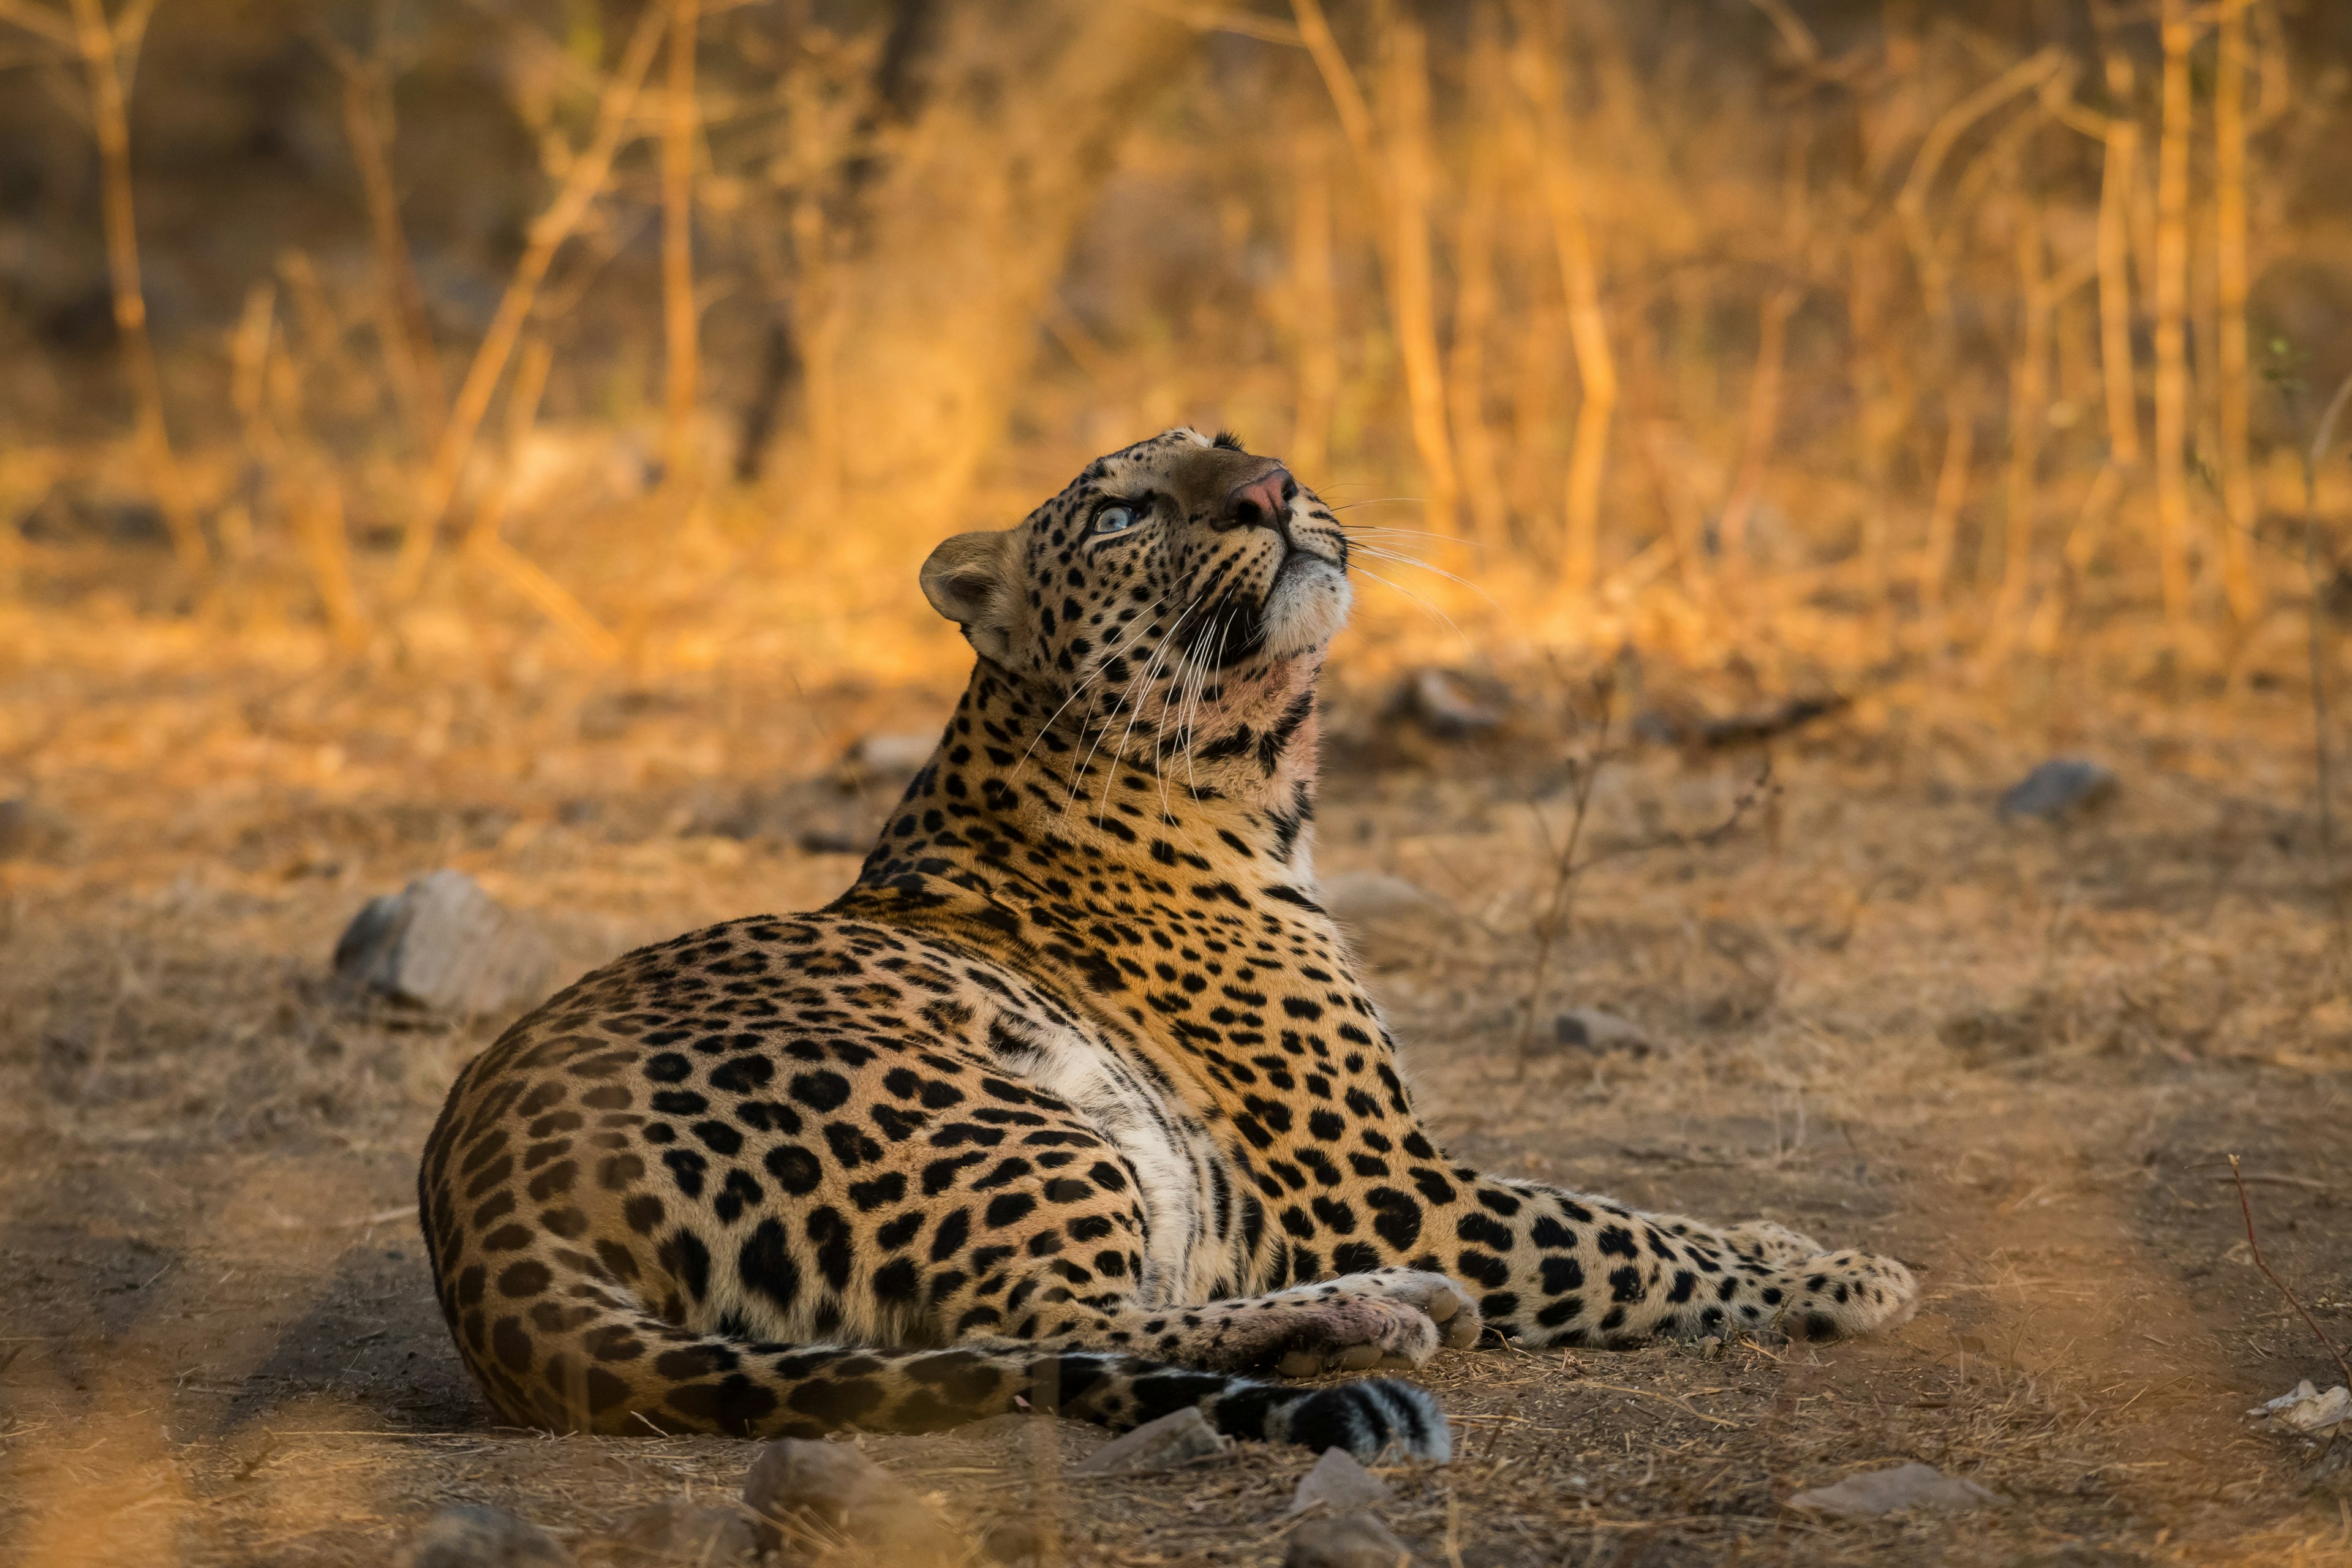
{"x":2172,"y":320}
{"x":1885,"y":393}
{"x":1763,"y":426}
{"x":679,"y":318}
{"x":1404,"y":104}
{"x":583,"y":183}
{"x":1475,"y":291}
{"x":968,"y":227}
{"x":1315,"y":312}
{"x":101,"y":44}
{"x":2118,"y":175}
{"x":1911,"y":202}
{"x":1396,"y":161}
{"x":306,"y":482}
{"x":1944,"y":514}
{"x":2029,"y":400}
{"x":1678,"y":503}
{"x":487,"y":547}
{"x":2231,"y":364}
{"x":403,"y":326}
{"x":2317,"y":647}
{"x":1535,"y":384}
{"x":1588,"y":325}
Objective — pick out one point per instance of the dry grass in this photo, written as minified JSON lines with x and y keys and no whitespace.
{"x":2011,"y":1054}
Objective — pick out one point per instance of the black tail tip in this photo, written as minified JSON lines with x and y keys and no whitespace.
{"x":1367,"y":1418}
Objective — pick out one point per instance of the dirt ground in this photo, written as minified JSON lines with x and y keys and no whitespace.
{"x":2013,"y":1054}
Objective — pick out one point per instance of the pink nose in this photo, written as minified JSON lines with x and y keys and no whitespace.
{"x":1263,"y":503}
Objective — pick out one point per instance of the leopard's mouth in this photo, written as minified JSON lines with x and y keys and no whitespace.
{"x":1305,"y":604}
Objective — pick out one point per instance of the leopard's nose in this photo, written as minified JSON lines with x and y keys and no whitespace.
{"x":1261,"y":502}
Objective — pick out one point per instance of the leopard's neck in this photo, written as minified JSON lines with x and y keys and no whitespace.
{"x":1231,"y":792}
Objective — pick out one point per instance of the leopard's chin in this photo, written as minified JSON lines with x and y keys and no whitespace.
{"x":1305,"y":607}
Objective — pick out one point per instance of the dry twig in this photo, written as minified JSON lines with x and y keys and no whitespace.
{"x":102,"y":45}
{"x":580,"y":189}
{"x":2255,"y":1246}
{"x":404,"y":324}
{"x":1549,"y":929}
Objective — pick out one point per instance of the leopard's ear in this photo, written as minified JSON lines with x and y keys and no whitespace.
{"x":969,"y":579}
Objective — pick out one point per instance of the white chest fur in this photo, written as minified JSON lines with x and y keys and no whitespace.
{"x":1169,"y":1149}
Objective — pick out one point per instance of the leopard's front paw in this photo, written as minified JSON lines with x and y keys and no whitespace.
{"x":1348,"y":1333}
{"x":1440,"y":1299}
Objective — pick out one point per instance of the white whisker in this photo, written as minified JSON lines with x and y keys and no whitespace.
{"x":1425,"y":566}
{"x":1417,"y":599}
{"x":1140,"y":623}
{"x":1134,"y":711}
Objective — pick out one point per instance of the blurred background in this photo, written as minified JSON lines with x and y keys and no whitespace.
{"x":1855,"y":554}
{"x":603,"y":333}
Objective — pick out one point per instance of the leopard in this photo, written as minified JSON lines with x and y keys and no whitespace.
{"x":1075,"y":1102}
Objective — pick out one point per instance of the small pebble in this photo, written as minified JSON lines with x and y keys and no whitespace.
{"x":1338,"y":1484}
{"x":1591,"y":1029}
{"x":2057,"y":788}
{"x":1886,"y":1492}
{"x":1177,"y":1438}
{"x":1350,"y":1541}
{"x":895,"y":753}
{"x":836,"y":1486}
{"x":480,"y":1538}
{"x":1449,"y":704}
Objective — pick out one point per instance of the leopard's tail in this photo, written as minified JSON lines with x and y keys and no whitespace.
{"x":558,"y":1342}
{"x":614,"y":1370}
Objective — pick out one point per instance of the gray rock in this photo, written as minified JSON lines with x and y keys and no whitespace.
{"x":1886,"y":1492}
{"x":1590,"y":1029}
{"x":1367,"y":898}
{"x":903,"y":753}
{"x":1350,"y":1541}
{"x":2059,"y":788}
{"x":1449,"y":704}
{"x":1177,"y":1438}
{"x":480,"y":1538}
{"x":1337,"y":1485}
{"x":675,"y":1534}
{"x":443,"y":943}
{"x":802,"y":1488}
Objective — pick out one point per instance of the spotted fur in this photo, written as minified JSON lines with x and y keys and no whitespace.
{"x":1075,"y":1097}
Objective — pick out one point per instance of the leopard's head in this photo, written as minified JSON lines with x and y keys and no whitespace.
{"x":1175,"y":594}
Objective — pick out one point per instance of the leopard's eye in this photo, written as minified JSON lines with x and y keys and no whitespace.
{"x":1114,"y":520}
